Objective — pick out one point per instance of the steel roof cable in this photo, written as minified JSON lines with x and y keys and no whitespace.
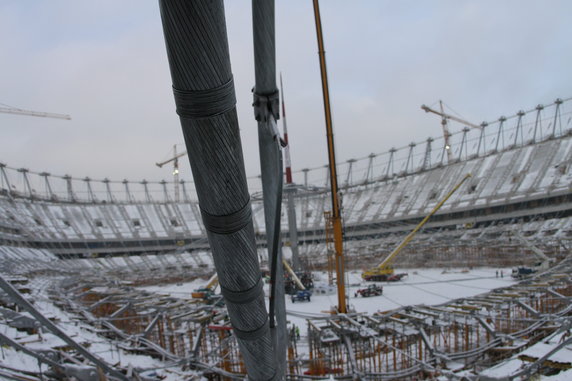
{"x":199,"y":61}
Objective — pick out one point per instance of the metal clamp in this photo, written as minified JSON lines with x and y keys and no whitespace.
{"x":266,"y":105}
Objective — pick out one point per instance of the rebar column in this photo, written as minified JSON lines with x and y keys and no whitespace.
{"x":197,"y":49}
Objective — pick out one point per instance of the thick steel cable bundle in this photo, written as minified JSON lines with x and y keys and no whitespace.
{"x":197,"y":48}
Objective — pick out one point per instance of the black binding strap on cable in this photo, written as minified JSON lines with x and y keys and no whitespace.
{"x":243,"y":296}
{"x":230,"y":223}
{"x":197,"y":104}
{"x":252,"y":335}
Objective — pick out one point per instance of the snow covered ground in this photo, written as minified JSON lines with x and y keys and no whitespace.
{"x":421,"y":286}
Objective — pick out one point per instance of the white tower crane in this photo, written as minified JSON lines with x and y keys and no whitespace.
{"x":19,"y":111}
{"x":444,"y":119}
{"x":175,"y":160}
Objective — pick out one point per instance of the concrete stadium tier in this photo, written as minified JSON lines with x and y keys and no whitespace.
{"x":526,"y":188}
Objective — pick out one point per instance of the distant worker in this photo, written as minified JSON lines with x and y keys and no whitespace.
{"x":297,"y":333}
{"x":502,"y":274}
{"x":497,"y":273}
{"x":565,"y":336}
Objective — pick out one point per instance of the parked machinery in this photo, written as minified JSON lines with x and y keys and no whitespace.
{"x":371,"y":290}
{"x":207,"y":293}
{"x":301,"y":295}
{"x":525,"y":271}
{"x":384,"y":271}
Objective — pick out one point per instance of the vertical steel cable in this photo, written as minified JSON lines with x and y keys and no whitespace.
{"x":266,"y":112}
{"x":197,"y":48}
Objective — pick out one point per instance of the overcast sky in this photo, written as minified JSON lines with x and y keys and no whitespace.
{"x":104,"y":63}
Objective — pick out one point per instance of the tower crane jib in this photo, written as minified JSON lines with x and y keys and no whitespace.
{"x":175,"y":160}
{"x":449,"y":117}
{"x":444,"y":119}
{"x":19,"y":111}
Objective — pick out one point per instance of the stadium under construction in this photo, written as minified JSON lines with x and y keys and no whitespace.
{"x":86,"y":245}
{"x":117,"y":280}
{"x":520,"y":181}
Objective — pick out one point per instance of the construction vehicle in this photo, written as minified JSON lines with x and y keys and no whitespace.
{"x":293,"y":282}
{"x":207,"y":293}
{"x":296,"y":287}
{"x":384,"y":271}
{"x":371,"y":290}
{"x":544,"y":263}
{"x":301,"y":295}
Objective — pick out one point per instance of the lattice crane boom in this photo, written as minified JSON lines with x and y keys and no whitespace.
{"x":19,"y":111}
{"x":444,"y":119}
{"x":391,"y":257}
{"x":449,"y":117}
{"x":175,"y":160}
{"x":385,"y":269}
{"x":171,"y":159}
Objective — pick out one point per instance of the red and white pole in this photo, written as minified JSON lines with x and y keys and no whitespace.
{"x":287,"y":161}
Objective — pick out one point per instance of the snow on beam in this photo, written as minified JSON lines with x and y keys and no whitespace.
{"x":149,"y":328}
{"x":558,"y":295}
{"x":487,"y":326}
{"x":41,"y":357}
{"x":121,"y":310}
{"x":427,"y":341}
{"x":528,"y":308}
{"x":351,"y":355}
{"x":99,"y":302}
{"x":25,"y":304}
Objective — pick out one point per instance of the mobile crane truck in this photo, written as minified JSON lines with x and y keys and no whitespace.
{"x":384,"y":271}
